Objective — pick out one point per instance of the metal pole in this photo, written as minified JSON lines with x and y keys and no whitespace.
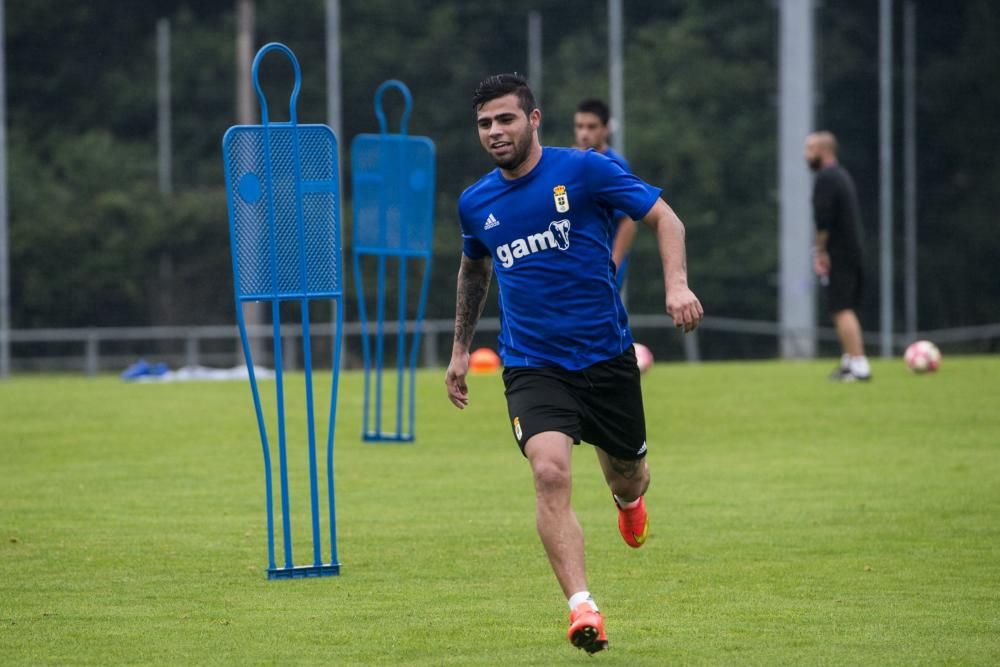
{"x":4,"y":254}
{"x":253,"y":313}
{"x":334,"y":118}
{"x":616,"y":73}
{"x":885,"y":178}
{"x":616,"y":85}
{"x":334,"y":112}
{"x":910,"y":166}
{"x":244,"y":58}
{"x":796,"y":105}
{"x":163,"y":104}
{"x":535,"y":55}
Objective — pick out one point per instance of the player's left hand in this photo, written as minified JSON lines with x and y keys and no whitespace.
{"x":683,"y":306}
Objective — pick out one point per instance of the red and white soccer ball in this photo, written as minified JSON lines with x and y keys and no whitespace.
{"x":922,"y":357}
{"x":643,"y":357}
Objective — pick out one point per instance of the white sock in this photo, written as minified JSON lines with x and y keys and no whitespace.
{"x":626,"y":504}
{"x":583,"y":596}
{"x":860,"y":366}
{"x":845,"y":361}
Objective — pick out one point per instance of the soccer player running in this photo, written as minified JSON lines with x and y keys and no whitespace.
{"x":838,"y":254}
{"x":591,"y":129}
{"x":542,"y":222}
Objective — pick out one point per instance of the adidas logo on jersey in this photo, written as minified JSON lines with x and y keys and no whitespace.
{"x":491,"y":222}
{"x":556,"y":236}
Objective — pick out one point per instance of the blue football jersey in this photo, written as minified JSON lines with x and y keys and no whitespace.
{"x":615,"y":157}
{"x":617,"y":217}
{"x":623,"y":163}
{"x":550,"y":234}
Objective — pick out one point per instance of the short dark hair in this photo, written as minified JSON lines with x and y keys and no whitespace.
{"x":595,"y":106}
{"x":499,"y":85}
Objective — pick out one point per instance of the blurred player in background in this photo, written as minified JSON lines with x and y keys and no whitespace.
{"x":542,"y":222}
{"x":591,"y":129}
{"x":838,"y":255}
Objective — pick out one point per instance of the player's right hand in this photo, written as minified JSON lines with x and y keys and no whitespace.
{"x":821,"y":263}
{"x":454,"y":380}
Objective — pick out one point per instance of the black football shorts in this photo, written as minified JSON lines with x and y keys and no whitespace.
{"x":600,"y":404}
{"x":846,"y":287}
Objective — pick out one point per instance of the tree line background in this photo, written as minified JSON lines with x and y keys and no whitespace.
{"x":93,"y":243}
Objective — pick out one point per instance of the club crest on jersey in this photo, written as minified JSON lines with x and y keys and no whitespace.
{"x":517,"y":427}
{"x":561,"y":198}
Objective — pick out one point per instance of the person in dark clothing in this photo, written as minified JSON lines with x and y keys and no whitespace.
{"x":838,"y":254}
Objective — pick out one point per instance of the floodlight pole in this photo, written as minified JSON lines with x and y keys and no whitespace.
{"x":4,"y":251}
{"x":244,"y":58}
{"x":616,"y":75}
{"x":164,"y":157}
{"x":885,"y":170}
{"x":253,"y":313}
{"x":163,"y":104}
{"x":616,"y":86}
{"x":796,"y":107}
{"x":535,"y":55}
{"x":334,"y":109}
{"x":910,"y":166}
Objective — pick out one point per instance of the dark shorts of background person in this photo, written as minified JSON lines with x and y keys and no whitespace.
{"x":600,"y":404}
{"x":846,"y":287}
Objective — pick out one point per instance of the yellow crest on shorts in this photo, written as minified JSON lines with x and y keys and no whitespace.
{"x":517,"y":428}
{"x":561,"y":198}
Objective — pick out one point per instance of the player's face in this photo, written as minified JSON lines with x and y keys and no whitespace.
{"x":813,"y":154}
{"x":505,"y":131}
{"x":590,"y":131}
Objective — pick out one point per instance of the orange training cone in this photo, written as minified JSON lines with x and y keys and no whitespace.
{"x":484,"y":361}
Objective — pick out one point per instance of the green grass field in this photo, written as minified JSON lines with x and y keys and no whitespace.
{"x":793,"y":521}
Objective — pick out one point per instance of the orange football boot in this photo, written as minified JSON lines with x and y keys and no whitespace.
{"x":586,"y":629}
{"x":633,"y":523}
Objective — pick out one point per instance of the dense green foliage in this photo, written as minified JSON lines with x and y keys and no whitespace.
{"x":93,"y":243}
{"x":782,"y":533}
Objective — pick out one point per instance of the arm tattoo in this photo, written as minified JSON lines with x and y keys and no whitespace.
{"x":473,"y":284}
